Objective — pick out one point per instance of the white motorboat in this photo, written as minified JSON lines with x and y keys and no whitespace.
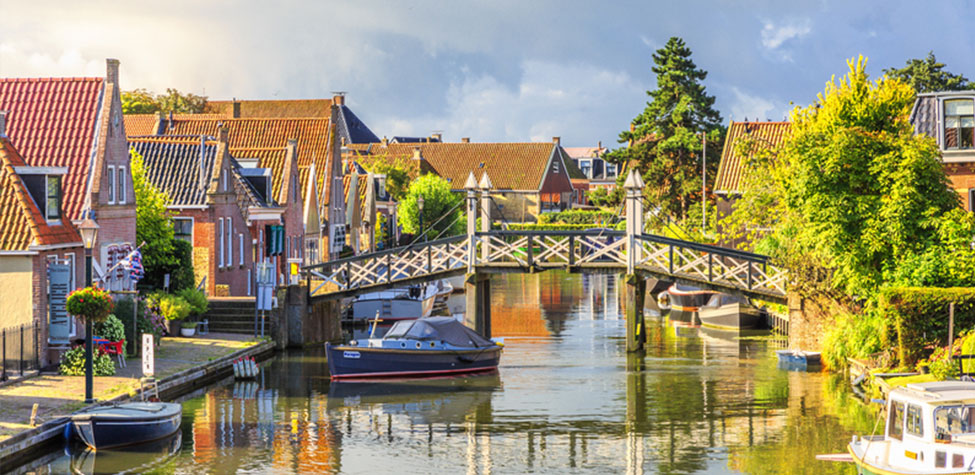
{"x":396,"y":304}
{"x":444,"y":288}
{"x":729,"y":312}
{"x":930,"y":429}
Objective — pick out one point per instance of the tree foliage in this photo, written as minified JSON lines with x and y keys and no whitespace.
{"x":142,"y":101}
{"x":852,"y":195}
{"x":396,"y":170}
{"x":441,"y":211}
{"x":665,"y":140}
{"x":928,"y":75}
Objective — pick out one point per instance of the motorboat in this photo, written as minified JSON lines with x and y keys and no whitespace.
{"x":799,"y":359}
{"x":687,"y":298}
{"x":729,"y":312}
{"x":444,"y":289}
{"x":408,"y":303}
{"x":119,"y":425}
{"x":423,"y":347}
{"x":930,"y":429}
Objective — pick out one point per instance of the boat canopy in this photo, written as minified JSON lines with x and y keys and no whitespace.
{"x":446,"y":329}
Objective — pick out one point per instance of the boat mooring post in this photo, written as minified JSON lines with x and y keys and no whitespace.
{"x":635,"y":288}
{"x":477,"y":291}
{"x":634,"y":219}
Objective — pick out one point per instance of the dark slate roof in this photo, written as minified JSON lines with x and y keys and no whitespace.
{"x":178,"y":166}
{"x":399,"y":139}
{"x":353,"y":129}
{"x":924,"y":116}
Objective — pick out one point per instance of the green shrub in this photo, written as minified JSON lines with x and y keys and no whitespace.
{"x":73,"y":363}
{"x":855,"y":336}
{"x":181,"y":277}
{"x":123,"y":310}
{"x":112,"y":329}
{"x":197,"y":300}
{"x":548,"y":227}
{"x":920,"y":316}
{"x":593,"y":218}
{"x":173,"y":307}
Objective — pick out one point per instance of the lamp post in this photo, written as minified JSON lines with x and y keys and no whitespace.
{"x":419,"y":204}
{"x":89,"y":230}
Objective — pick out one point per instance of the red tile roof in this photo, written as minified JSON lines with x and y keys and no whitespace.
{"x":511,"y":166}
{"x":273,"y":108}
{"x":140,"y":124}
{"x":51,"y":122}
{"x":21,"y":222}
{"x":730,"y":171}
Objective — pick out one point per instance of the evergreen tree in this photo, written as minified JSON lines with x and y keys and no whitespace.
{"x":928,"y":75}
{"x":665,"y":140}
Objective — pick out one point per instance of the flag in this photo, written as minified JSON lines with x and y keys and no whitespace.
{"x":133,"y":262}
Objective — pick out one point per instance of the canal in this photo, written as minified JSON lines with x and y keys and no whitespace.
{"x":567,"y":399}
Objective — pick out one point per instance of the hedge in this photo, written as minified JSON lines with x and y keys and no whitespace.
{"x":548,"y":227}
{"x":579,"y":216}
{"x":920,"y":316}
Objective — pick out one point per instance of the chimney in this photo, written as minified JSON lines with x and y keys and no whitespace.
{"x":465,"y":140}
{"x":385,"y":141}
{"x":236,"y":109}
{"x":416,"y":154}
{"x":112,"y":71}
{"x":437,"y":137}
{"x":172,"y":125}
{"x":556,"y":140}
{"x":338,"y":99}
{"x":3,"y":123}
{"x":222,"y":135}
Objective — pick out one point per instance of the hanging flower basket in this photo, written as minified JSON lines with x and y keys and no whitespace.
{"x":90,"y":302}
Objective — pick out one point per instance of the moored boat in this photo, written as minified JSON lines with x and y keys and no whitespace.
{"x":125,"y":424}
{"x":396,"y":304}
{"x":930,"y":429}
{"x":729,"y":312}
{"x":423,"y":347}
{"x":687,"y":298}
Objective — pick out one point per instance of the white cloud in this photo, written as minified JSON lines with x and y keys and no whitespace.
{"x":775,"y":35}
{"x":750,"y":106}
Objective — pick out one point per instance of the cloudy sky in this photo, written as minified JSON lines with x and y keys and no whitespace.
{"x":492,"y":70}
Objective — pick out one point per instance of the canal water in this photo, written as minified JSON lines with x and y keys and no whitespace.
{"x":567,"y":399}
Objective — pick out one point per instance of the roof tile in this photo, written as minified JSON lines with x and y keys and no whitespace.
{"x":730,"y":170}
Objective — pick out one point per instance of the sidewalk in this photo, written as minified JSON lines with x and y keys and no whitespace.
{"x":61,"y":395}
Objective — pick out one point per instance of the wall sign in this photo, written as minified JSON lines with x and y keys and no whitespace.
{"x":59,"y":326}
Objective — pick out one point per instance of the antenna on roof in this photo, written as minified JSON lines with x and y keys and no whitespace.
{"x":339,"y":93}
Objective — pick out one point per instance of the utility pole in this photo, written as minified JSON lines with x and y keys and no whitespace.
{"x":704,"y":185}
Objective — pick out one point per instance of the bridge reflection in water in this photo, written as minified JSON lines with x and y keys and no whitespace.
{"x":567,"y":398}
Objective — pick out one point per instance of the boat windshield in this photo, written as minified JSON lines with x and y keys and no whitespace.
{"x":954,"y":420}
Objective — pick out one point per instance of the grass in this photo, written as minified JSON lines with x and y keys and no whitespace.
{"x":905,"y":380}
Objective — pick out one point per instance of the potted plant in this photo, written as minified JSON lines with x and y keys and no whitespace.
{"x":199,"y":304}
{"x":90,"y":303}
{"x":174,"y":309}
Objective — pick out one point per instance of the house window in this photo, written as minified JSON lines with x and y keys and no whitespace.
{"x":53,"y":206}
{"x":586,"y":167}
{"x":183,"y":229}
{"x":240,"y":248}
{"x":220,"y":243}
{"x":610,"y":170}
{"x":120,"y":183}
{"x":111,"y":184}
{"x":959,"y":124}
{"x":230,"y":242}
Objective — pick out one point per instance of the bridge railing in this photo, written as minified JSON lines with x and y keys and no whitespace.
{"x":711,"y":264}
{"x":389,"y":266}
{"x":549,"y":248}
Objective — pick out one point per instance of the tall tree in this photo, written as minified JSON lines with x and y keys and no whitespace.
{"x":441,"y":211}
{"x":928,"y":75}
{"x":665,"y":140}
{"x":142,"y":101}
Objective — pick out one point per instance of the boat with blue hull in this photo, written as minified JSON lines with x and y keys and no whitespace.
{"x":424,"y":347}
{"x":126,"y":424}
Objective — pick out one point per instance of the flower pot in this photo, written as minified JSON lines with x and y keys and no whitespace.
{"x":187,"y":331}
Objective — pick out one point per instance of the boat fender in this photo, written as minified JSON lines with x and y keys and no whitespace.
{"x":67,"y":433}
{"x":254,"y":368}
{"x":236,"y":366}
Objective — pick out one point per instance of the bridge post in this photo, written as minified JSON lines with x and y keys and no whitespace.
{"x":635,"y":289}
{"x":485,"y":185}
{"x":471,"y":186}
{"x":634,"y":219}
{"x":477,"y":291}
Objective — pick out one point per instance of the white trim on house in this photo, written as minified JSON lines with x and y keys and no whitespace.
{"x":41,"y":170}
{"x":18,"y":253}
{"x":192,"y":226}
{"x":111,"y":184}
{"x":187,"y":207}
{"x":50,"y":247}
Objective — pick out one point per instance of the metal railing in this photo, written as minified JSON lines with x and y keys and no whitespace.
{"x":20,"y":349}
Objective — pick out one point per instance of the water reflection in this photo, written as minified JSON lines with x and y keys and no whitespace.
{"x":136,"y":459}
{"x":567,"y":398}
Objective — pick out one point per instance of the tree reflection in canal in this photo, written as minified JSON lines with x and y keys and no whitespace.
{"x":567,"y":398}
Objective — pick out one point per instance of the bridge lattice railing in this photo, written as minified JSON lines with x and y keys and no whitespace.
{"x":389,"y":266}
{"x":549,"y":248}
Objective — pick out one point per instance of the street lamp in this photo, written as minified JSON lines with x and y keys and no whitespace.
{"x":419,"y":204}
{"x":89,"y":230}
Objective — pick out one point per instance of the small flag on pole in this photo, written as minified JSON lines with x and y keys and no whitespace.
{"x":133,"y":262}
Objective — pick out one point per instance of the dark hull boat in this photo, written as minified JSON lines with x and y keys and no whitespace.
{"x":425,"y":347}
{"x":687,"y":298}
{"x":126,"y":424}
{"x":730,"y":312}
{"x":142,"y":458}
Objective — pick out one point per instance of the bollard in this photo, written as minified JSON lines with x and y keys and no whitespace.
{"x":33,"y":416}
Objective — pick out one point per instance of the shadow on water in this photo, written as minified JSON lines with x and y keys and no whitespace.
{"x":566,"y":399}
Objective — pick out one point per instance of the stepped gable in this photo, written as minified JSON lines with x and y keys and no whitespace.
{"x":731,"y":169}
{"x":22,"y":224}
{"x":511,"y":166}
{"x":52,"y":122}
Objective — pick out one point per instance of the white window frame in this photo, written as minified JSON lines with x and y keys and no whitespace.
{"x":120,"y":195}
{"x":240,"y":249}
{"x":220,"y":243}
{"x":230,"y":242}
{"x":111,"y":184}
{"x":248,"y":282}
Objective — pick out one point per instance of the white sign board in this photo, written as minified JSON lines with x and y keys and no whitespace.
{"x":148,"y":357}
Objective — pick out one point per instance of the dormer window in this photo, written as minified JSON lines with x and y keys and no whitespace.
{"x":959,"y":124}
{"x":52,"y":208}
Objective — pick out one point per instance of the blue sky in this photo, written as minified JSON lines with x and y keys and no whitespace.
{"x":489,"y":70}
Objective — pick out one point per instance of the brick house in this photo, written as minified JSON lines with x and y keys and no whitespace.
{"x":595,"y":171}
{"x":220,"y":206}
{"x":76,"y":123}
{"x":34,"y":232}
{"x":949,"y":117}
{"x":528,"y":178}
